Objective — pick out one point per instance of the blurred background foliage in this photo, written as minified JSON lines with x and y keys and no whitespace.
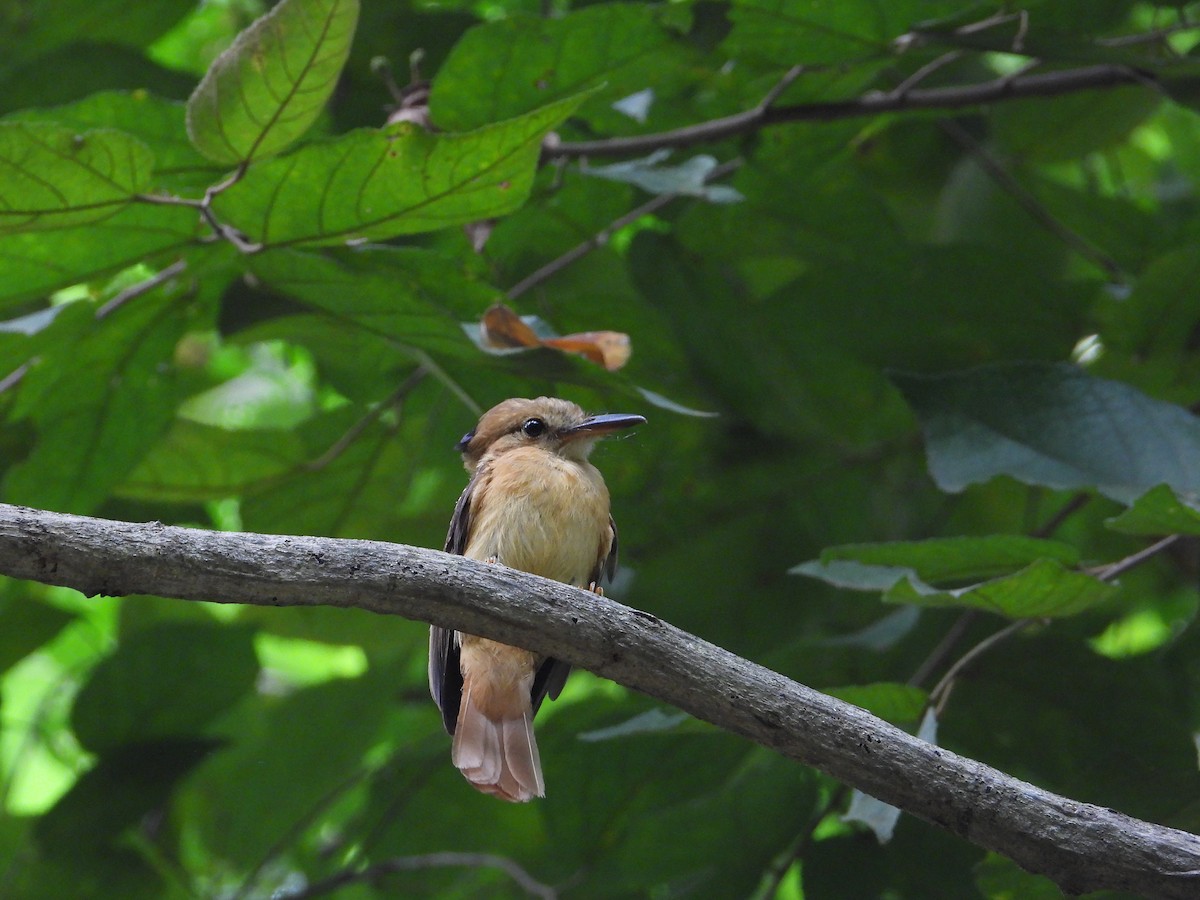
{"x":972,"y":322}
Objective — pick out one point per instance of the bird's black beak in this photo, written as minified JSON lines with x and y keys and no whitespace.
{"x":599,"y":426}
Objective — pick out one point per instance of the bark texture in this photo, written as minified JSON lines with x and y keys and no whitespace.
{"x":1080,"y":846}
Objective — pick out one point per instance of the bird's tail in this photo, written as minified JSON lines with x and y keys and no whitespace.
{"x":494,"y":746}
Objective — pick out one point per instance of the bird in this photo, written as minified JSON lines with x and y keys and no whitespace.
{"x":533,"y":502}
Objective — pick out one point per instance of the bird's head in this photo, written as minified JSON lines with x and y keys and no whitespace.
{"x":557,"y":426}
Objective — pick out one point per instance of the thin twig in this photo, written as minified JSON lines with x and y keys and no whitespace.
{"x":379,"y":870}
{"x":1042,"y":84}
{"x":1072,"y":506}
{"x":142,"y":287}
{"x":941,"y":691}
{"x":911,"y":82}
{"x":1028,"y":202}
{"x":354,"y":431}
{"x":945,"y":647}
{"x":1121,"y":566}
{"x":604,"y":235}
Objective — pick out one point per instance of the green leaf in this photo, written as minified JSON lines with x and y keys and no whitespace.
{"x":1159,"y":511}
{"x":403,"y":294}
{"x":788,"y":32}
{"x":1072,"y":126}
{"x":25,"y":624}
{"x":52,"y":176}
{"x":1043,"y":589}
{"x":268,"y":88}
{"x":999,"y":878}
{"x":957,"y":558}
{"x":1052,"y":425}
{"x":83,"y":394}
{"x":889,"y":700}
{"x":289,"y":757}
{"x":201,"y":462}
{"x":164,"y":681}
{"x":34,"y":264}
{"x":383,"y":183}
{"x":514,"y":65}
{"x":40,"y":25}
{"x":114,"y":795}
{"x":156,"y":121}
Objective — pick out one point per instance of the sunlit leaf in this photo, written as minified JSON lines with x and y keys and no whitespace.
{"x":267,"y":89}
{"x":398,"y":180}
{"x":1043,"y":589}
{"x":1052,"y":425}
{"x":52,"y":176}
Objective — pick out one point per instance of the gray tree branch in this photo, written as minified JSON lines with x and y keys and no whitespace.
{"x":1080,"y":846}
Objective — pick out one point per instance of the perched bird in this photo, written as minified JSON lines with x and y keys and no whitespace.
{"x":534,"y":503}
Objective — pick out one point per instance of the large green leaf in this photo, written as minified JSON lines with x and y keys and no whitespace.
{"x":957,"y":558}
{"x":1043,"y":588}
{"x":52,"y":176}
{"x":403,"y":294}
{"x":124,"y":785}
{"x":288,"y":757}
{"x":517,"y":64}
{"x":84,"y":393}
{"x":1052,"y":425}
{"x":25,"y":623}
{"x":267,"y":89}
{"x":33,"y":264}
{"x":164,"y":681}
{"x":383,"y":183}
{"x":203,"y":462}
{"x":158,"y":122}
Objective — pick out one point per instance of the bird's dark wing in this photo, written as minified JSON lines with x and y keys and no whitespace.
{"x":548,"y":681}
{"x":606,"y":566}
{"x":445,"y":673}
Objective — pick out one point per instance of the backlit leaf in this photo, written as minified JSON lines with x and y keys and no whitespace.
{"x":268,"y":88}
{"x":380,"y":183}
{"x":52,"y":176}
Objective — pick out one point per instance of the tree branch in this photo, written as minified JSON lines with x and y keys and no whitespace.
{"x":1080,"y":846}
{"x":1041,"y":84}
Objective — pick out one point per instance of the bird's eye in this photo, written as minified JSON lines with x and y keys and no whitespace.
{"x":533,"y":428}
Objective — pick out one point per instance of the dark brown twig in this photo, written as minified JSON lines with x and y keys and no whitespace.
{"x":604,"y":235}
{"x":1042,"y":84}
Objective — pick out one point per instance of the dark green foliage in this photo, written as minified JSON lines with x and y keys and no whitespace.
{"x":951,"y":353}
